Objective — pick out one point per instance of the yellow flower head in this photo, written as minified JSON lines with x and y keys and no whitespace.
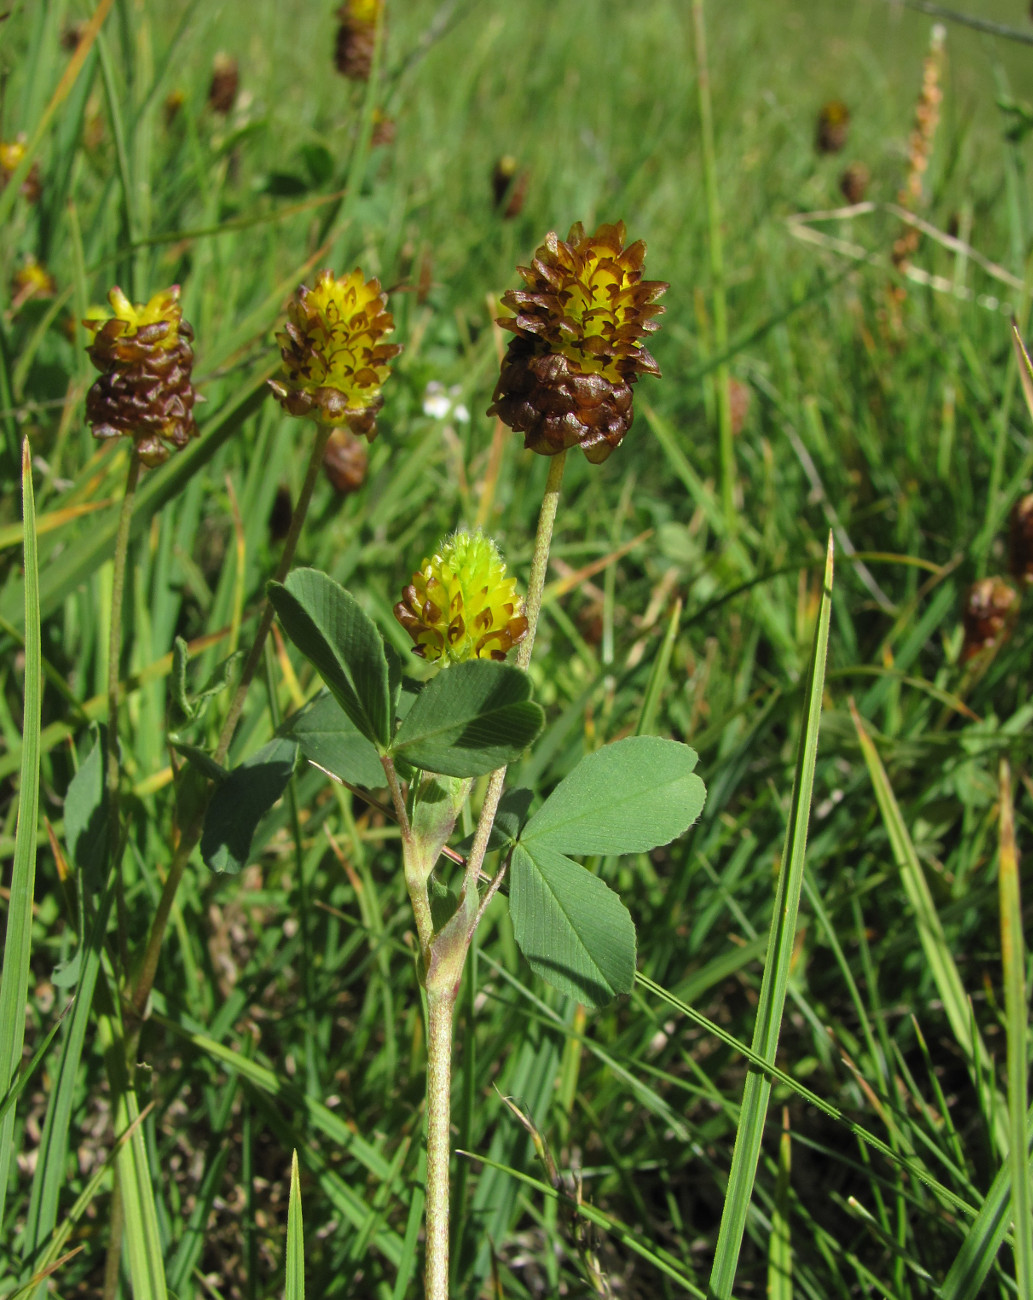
{"x":31,"y":280}
{"x":460,"y":604}
{"x":11,"y":154}
{"x":334,"y":357}
{"x":145,"y":392}
{"x":567,"y":375}
{"x":586,"y":299}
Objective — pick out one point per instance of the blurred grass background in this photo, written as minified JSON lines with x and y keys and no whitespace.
{"x":902,"y":429}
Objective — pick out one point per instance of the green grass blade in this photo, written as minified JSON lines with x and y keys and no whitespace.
{"x":659,"y":675}
{"x":776,"y":968}
{"x":780,"y":1250}
{"x":50,"y":1177}
{"x":1013,"y":956}
{"x":934,"y":941}
{"x":974,"y":1260}
{"x":14,"y":979}
{"x":295,"y":1288}
{"x":141,"y":1239}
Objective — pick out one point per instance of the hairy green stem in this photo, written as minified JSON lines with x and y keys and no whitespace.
{"x":192,"y":824}
{"x":440,"y":1013}
{"x":449,"y":948}
{"x":533,"y":604}
{"x":118,"y":584}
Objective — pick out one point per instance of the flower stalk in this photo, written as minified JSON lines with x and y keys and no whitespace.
{"x":450,"y":946}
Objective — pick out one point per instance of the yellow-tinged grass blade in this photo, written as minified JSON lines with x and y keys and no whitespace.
{"x":780,"y":1250}
{"x":295,"y":1288}
{"x":1025,"y":367}
{"x":1013,"y":958}
{"x":14,"y":978}
{"x":930,"y":932}
{"x":776,"y":968}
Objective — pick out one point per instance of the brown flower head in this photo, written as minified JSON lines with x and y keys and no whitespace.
{"x":1020,"y":540}
{"x":334,"y":357}
{"x":509,"y":186}
{"x":345,"y":461}
{"x":144,"y":391}
{"x":854,"y":182}
{"x":990,"y":609}
{"x":357,"y":38}
{"x":567,"y":375}
{"x":225,"y":82}
{"x":833,"y":127}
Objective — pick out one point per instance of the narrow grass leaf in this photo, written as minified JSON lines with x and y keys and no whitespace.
{"x":915,"y":1168}
{"x":335,"y":633}
{"x":141,"y":1240}
{"x":1025,"y":366}
{"x":572,"y":928}
{"x":659,"y":674}
{"x":14,"y":978}
{"x":965,"y":1277}
{"x":776,"y":967}
{"x":780,"y":1249}
{"x":295,"y":1288}
{"x":935,"y":944}
{"x":469,"y":720}
{"x":630,"y":1237}
{"x":1013,"y":957}
{"x":50,"y":1177}
{"x":628,"y":797}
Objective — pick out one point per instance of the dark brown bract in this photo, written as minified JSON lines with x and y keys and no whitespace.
{"x":567,"y":375}
{"x":145,"y":390}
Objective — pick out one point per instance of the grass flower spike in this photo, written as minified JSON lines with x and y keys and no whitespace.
{"x":145,"y":358}
{"x":460,"y":604}
{"x":334,"y":356}
{"x":567,"y":375}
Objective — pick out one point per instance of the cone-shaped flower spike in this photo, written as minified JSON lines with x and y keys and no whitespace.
{"x":460,"y":604}
{"x":334,"y":356}
{"x":145,"y":358}
{"x":567,"y":375}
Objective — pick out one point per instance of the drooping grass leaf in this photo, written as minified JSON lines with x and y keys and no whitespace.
{"x":331,"y":629}
{"x":241,"y":801}
{"x":572,"y":928}
{"x":470,"y":719}
{"x":627,"y":797}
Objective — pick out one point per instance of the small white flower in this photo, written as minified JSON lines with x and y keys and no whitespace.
{"x":443,"y":404}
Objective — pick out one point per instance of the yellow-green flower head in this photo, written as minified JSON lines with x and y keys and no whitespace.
{"x":334,"y":357}
{"x":31,"y":280}
{"x":11,"y":154}
{"x":460,"y":604}
{"x":579,"y":325}
{"x":144,"y":354}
